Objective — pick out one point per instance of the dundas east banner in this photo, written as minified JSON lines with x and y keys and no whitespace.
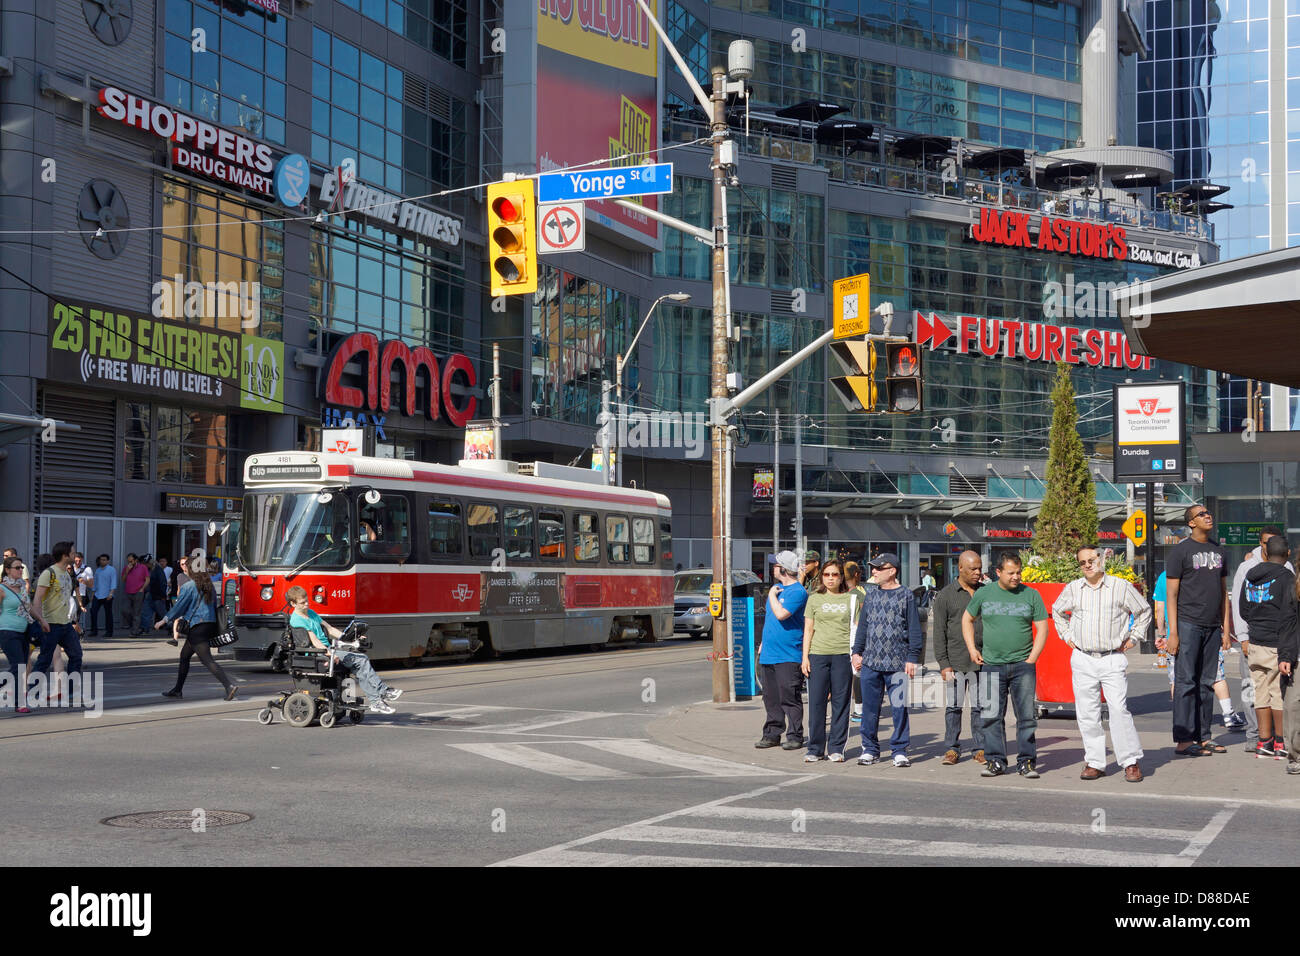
{"x":597,"y":95}
{"x":106,"y":347}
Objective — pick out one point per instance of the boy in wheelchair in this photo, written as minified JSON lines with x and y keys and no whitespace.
{"x":377,"y":692}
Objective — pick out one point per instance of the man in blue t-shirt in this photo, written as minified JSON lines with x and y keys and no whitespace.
{"x":378,"y":694}
{"x":782,"y":655}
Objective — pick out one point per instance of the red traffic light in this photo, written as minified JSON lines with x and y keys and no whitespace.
{"x":904,"y":361}
{"x":507,"y":208}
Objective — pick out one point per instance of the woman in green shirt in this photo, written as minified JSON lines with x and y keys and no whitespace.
{"x":826,"y":663}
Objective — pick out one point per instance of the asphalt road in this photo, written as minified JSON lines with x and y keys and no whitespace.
{"x":551,"y":761}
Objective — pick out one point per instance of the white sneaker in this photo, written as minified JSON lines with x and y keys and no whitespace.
{"x":900,"y":760}
{"x":857,"y":710}
{"x":839,"y":758}
{"x":380,"y":707}
{"x":866,"y":760}
{"x":392,"y":693}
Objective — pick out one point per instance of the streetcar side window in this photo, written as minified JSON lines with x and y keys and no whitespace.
{"x":643,"y":541}
{"x":444,"y":528}
{"x":384,"y":529}
{"x":550,"y":535}
{"x":666,"y":542}
{"x":484,"y":529}
{"x":586,"y":537}
{"x":616,"y":538}
{"x":519,"y":533}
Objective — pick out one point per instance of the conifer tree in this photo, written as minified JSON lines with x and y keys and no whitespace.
{"x":1068,"y":517}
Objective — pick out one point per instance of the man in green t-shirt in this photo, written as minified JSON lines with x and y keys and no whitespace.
{"x":53,"y":611}
{"x":1015,"y":630}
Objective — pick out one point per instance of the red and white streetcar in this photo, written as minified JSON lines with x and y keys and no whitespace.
{"x":444,"y":560}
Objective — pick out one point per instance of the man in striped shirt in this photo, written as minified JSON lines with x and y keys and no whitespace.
{"x":1101,"y":616}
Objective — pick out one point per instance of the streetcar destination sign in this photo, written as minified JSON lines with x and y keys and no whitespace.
{"x":609,"y":183}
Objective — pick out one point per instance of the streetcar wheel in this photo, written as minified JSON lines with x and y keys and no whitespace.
{"x":265,"y":716}
{"x":357,"y":716}
{"x":327,"y":719}
{"x":299,"y":709}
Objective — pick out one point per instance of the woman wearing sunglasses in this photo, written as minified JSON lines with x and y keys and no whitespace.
{"x":826,"y":663}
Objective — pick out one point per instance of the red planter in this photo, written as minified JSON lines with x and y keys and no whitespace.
{"x":1053,"y":666}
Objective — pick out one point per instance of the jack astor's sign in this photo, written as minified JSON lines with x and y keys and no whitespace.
{"x":380,"y":358}
{"x":1097,"y":240}
{"x":1030,"y":340}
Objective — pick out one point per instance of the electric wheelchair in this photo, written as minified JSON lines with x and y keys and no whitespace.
{"x":323,"y":688}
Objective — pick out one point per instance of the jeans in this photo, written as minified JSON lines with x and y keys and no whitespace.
{"x":830,"y":675}
{"x":59,"y":635}
{"x":874,"y":685}
{"x":131,"y":613}
{"x":154,"y":610}
{"x":360,"y":667}
{"x":14,"y":645}
{"x":783,"y":701}
{"x":958,"y":689}
{"x":1195,"y":668}
{"x":107,"y":605}
{"x":1020,"y":680}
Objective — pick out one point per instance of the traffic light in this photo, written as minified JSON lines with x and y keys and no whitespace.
{"x":902,"y":377}
{"x":512,"y":242}
{"x":857,"y":389}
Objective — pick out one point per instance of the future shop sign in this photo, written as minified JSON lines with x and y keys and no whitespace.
{"x":1030,"y":340}
{"x":204,"y":148}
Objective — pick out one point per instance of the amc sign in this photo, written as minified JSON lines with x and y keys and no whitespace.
{"x":380,"y":360}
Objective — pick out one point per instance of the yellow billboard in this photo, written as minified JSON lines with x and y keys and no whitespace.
{"x":610,"y":32}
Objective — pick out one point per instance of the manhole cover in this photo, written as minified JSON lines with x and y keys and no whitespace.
{"x":176,"y":819}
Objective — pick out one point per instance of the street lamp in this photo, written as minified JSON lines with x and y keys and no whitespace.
{"x":618,"y":383}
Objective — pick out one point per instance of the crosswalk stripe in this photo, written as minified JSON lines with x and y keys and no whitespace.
{"x":461,"y":712}
{"x":881,"y":846}
{"x":526,"y":755}
{"x":1206,"y":836}
{"x":561,"y":857}
{"x":539,"y":722}
{"x":653,"y":753}
{"x":881,"y":819}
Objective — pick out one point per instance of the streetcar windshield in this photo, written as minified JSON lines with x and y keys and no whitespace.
{"x":287,"y":530}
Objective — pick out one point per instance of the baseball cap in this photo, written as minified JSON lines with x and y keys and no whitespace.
{"x":812,"y":556}
{"x":788,"y":560}
{"x":881,"y":560}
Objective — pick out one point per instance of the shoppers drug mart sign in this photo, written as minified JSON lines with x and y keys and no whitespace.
{"x":105,"y":347}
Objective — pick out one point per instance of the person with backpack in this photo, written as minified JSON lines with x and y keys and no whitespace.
{"x":196,"y":604}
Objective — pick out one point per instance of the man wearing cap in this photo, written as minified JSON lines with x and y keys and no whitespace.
{"x":782,"y":654}
{"x":812,"y":570}
{"x":887,"y":649}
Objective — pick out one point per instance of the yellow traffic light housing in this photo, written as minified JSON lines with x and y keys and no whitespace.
{"x":903,"y":377}
{"x":857,"y":389}
{"x":512,"y":237}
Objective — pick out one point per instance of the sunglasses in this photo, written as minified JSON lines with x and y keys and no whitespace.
{"x":1200,"y":514}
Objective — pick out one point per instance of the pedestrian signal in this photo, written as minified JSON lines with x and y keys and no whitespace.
{"x":902,"y":377}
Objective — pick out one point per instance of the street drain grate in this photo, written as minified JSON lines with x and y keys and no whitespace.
{"x":176,"y":819}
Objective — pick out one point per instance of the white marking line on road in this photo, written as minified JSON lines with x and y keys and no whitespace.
{"x":881,"y":846}
{"x":558,"y":857}
{"x":653,"y":753}
{"x":493,"y":707}
{"x":1211,"y":830}
{"x":183,"y":705}
{"x":880,"y":819}
{"x":524,"y":755}
{"x":242,"y":720}
{"x":462,"y":712}
{"x":541,"y":721}
{"x":543,"y":855}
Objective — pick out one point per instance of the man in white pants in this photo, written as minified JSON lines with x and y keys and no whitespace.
{"x":1092,"y":615}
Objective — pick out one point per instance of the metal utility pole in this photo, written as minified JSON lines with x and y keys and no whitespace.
{"x":496,"y":402}
{"x":721,"y":533}
{"x":605,"y":430}
{"x":776,"y":482}
{"x":798,"y":486}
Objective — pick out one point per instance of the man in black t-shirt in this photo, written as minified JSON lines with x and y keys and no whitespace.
{"x":1198,"y":610}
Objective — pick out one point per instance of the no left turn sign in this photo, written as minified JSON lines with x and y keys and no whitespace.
{"x":561,"y":227}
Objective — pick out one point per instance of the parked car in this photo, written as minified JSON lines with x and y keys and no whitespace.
{"x":691,"y":600}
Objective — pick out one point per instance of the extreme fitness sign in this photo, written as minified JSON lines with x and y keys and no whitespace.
{"x":1035,"y":341}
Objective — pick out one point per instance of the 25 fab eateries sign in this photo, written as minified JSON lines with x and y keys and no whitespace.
{"x":105,"y":347}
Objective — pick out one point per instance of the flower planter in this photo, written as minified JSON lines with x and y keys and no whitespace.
{"x":1053,"y":667}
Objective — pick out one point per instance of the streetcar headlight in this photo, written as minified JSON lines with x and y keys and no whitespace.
{"x":267,"y":592}
{"x":318,"y":594}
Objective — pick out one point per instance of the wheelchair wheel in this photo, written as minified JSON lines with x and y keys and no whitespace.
{"x":357,"y":716}
{"x":265,"y":716}
{"x":327,"y":719}
{"x":299,"y":709}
